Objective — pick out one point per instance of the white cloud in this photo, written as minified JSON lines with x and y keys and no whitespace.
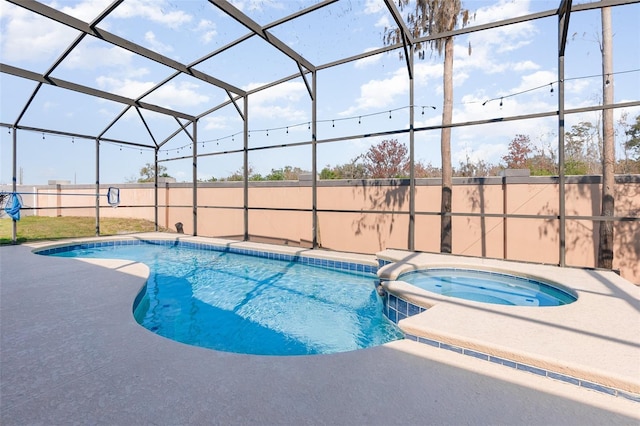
{"x":363,"y":63}
{"x":49,"y":105}
{"x":248,"y":5}
{"x":208,"y":30}
{"x":530,"y":81}
{"x":489,"y":153}
{"x":158,"y":11}
{"x":173,"y":95}
{"x":380,"y":93}
{"x":383,"y":22}
{"x":89,"y":54}
{"x":525,"y":66}
{"x":268,"y":103}
{"x":373,"y":6}
{"x":124,"y":87}
{"x":215,"y":123}
{"x":155,"y":44}
{"x":86,"y":10}
{"x":28,"y":37}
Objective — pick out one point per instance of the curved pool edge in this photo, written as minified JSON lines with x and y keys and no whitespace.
{"x":576,"y":343}
{"x":358,"y":264}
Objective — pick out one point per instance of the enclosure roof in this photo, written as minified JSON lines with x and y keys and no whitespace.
{"x":290,"y":35}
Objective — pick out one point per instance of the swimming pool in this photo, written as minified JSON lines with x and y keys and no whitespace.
{"x":270,"y":305}
{"x":488,"y":287}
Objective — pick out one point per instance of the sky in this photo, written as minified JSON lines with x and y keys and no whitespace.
{"x":503,"y":72}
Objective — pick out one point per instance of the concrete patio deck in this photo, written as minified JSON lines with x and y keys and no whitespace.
{"x":71,"y":352}
{"x":595,"y":339}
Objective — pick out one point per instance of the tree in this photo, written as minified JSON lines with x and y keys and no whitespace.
{"x":605,"y":248}
{"x":432,"y":17}
{"x":518,"y":155}
{"x":422,"y":170}
{"x":633,"y":143}
{"x":583,"y":149}
{"x":543,"y":164}
{"x":388,"y":159}
{"x":351,"y":170}
{"x":148,"y":173}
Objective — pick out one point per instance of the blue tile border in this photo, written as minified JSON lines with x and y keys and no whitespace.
{"x":527,"y":368}
{"x":396,"y":308}
{"x":351,"y":267}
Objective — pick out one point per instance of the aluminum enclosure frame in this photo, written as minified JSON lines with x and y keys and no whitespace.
{"x":307,"y":72}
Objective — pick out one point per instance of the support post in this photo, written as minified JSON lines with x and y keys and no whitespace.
{"x":314,"y":162}
{"x":412,"y":158}
{"x":194,"y":152}
{"x":155,"y":193}
{"x":14,"y":187}
{"x":564,"y":12}
{"x":97,"y":187}
{"x":246,"y":167}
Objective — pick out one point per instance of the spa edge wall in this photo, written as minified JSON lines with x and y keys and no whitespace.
{"x":279,"y":212}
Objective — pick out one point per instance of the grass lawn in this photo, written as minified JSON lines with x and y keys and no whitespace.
{"x":33,"y":228}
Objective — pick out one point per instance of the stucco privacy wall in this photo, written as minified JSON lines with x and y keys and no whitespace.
{"x":345,"y":222}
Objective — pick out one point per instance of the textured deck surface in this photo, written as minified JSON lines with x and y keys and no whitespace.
{"x":72,"y":353}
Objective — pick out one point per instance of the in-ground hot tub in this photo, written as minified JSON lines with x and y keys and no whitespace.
{"x":409,"y":288}
{"x":488,"y":287}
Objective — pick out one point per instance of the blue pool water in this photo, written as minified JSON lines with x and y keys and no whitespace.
{"x":237,"y":303}
{"x":488,"y":287}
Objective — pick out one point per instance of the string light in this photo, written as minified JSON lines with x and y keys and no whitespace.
{"x":333,"y":123}
{"x":500,"y":101}
{"x":359,"y":120}
{"x":551,"y":84}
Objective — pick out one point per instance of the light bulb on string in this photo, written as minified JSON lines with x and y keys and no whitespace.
{"x":500,"y":101}
{"x":309,"y":126}
{"x":359,"y":120}
{"x":551,"y":84}
{"x":389,"y":114}
{"x":43,"y":136}
{"x":287,"y":130}
{"x":422,"y":110}
{"x":333,"y":123}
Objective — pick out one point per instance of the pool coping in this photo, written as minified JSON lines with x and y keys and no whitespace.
{"x":420,"y":328}
{"x":116,"y":372}
{"x":580,"y":343}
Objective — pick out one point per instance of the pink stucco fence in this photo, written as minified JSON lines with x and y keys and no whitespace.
{"x":515,"y":218}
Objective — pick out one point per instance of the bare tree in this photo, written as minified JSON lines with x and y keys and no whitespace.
{"x":388,"y":159}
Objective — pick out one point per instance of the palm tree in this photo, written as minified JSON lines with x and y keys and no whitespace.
{"x":432,"y":17}
{"x":605,"y":248}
